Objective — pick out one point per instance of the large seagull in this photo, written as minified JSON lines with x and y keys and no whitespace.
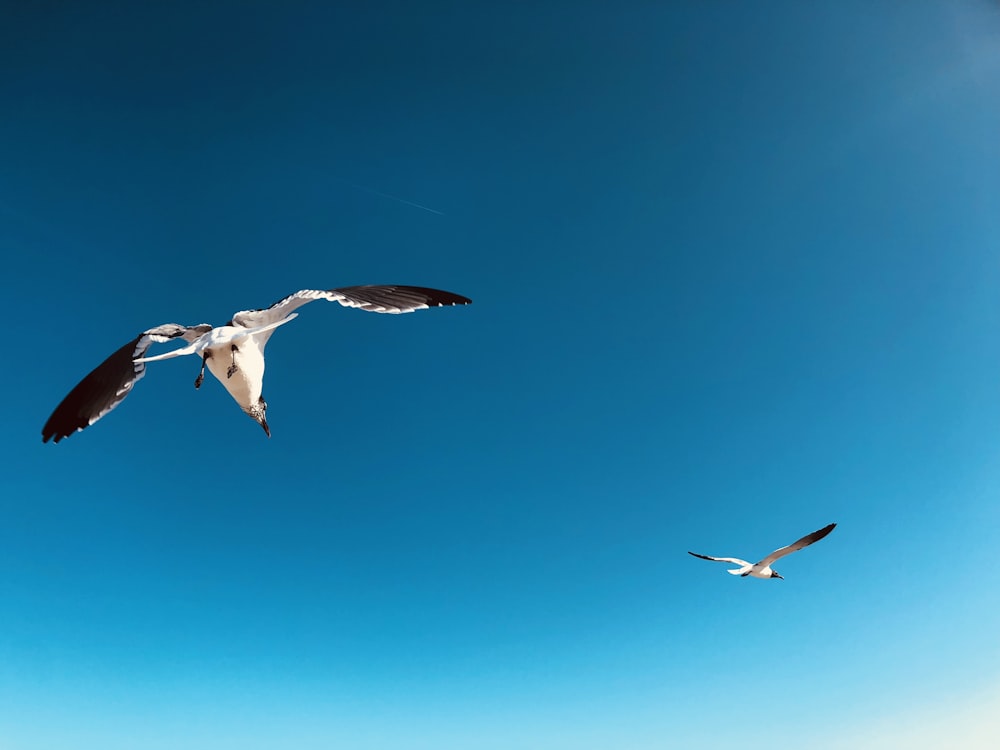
{"x":763,"y":569}
{"x":233,"y":353}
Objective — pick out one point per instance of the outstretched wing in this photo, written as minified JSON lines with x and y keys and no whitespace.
{"x":733,"y":560}
{"x":796,"y":546}
{"x":381,"y":299}
{"x":110,"y":382}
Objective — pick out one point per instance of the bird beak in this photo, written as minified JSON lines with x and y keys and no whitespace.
{"x":263,"y":423}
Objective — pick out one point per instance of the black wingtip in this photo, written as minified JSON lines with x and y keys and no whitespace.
{"x":436,"y":297}
{"x":51,"y":431}
{"x":817,"y":535}
{"x":441,"y":298}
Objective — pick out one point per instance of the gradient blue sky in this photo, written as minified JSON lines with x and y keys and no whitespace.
{"x":735,"y":276}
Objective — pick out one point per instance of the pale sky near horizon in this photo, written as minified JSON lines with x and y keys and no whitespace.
{"x":735,"y":276}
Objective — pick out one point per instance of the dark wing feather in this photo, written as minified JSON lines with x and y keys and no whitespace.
{"x":797,"y":545}
{"x":703,"y":557}
{"x":374,"y":298}
{"x":396,"y":299}
{"x":108,"y":384}
{"x":733,"y":560}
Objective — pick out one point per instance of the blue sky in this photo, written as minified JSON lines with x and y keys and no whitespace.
{"x":735,"y":276}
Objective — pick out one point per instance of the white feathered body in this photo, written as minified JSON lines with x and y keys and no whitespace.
{"x":754,"y":571}
{"x":247,"y":381}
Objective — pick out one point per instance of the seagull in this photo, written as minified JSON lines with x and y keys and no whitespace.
{"x":762,"y":569}
{"x":233,"y":353}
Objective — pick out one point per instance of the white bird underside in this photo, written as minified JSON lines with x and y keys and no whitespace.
{"x":762,"y":569}
{"x":233,"y":353}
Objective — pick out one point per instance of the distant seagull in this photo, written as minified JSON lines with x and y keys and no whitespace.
{"x":762,"y":569}
{"x":233,"y":353}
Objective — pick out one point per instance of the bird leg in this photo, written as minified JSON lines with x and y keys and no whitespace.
{"x":232,"y":367}
{"x":201,"y":375}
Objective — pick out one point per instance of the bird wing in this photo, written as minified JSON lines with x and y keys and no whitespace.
{"x":110,"y":382}
{"x":733,"y":560}
{"x":796,"y":546}
{"x":381,"y":299}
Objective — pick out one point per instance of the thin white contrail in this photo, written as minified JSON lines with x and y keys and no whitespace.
{"x":396,"y":198}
